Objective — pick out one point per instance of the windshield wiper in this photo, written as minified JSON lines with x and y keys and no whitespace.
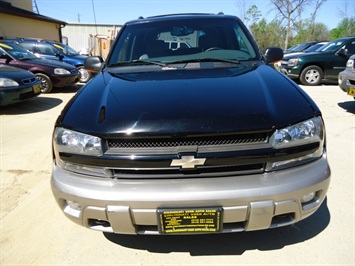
{"x":138,"y":62}
{"x":206,"y":59}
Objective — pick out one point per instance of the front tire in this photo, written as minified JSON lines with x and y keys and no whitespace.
{"x":47,"y":84}
{"x":85,"y":75}
{"x":311,"y":76}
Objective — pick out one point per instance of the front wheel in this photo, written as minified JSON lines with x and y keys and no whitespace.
{"x":47,"y":85}
{"x":311,"y":76}
{"x":85,"y":75}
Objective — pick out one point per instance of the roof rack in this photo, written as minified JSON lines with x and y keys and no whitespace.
{"x":180,"y":14}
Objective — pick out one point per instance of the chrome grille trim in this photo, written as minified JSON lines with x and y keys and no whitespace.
{"x":198,"y":172}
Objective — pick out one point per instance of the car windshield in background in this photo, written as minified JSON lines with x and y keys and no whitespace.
{"x":65,"y":49}
{"x":332,"y":46}
{"x":314,"y":48}
{"x":16,"y":51}
{"x":195,"y":40}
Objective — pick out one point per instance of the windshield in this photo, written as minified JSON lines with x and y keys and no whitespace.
{"x":332,"y":46}
{"x":16,"y":51}
{"x":182,"y":40}
{"x":293,"y":48}
{"x":314,"y":48}
{"x":65,"y":49}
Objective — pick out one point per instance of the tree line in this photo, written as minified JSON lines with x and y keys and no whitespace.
{"x":288,"y":29}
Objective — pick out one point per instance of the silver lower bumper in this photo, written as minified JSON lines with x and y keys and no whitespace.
{"x":251,"y":202}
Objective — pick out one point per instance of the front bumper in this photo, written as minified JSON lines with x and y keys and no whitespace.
{"x":345,"y":79}
{"x":250,"y":202}
{"x":291,"y":72}
{"x":18,"y":94}
{"x":64,"y":80}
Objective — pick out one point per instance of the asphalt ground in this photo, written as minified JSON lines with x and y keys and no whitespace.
{"x":33,"y":230}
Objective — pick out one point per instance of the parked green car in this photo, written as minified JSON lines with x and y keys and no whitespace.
{"x":325,"y":64}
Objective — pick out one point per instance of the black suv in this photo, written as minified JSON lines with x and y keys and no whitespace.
{"x":205,"y":138}
{"x":326,"y":63}
{"x":54,"y":50}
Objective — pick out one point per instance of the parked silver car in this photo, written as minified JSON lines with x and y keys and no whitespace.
{"x":347,"y":77}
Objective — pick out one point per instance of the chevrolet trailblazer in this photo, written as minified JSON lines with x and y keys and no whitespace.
{"x":207,"y":138}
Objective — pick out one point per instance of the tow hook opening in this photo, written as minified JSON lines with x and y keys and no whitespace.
{"x":283,"y":219}
{"x":98,"y":223}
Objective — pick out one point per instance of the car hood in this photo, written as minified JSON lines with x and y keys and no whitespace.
{"x":14,"y":73}
{"x":308,"y":55}
{"x":49,"y":63}
{"x":293,"y":54}
{"x":183,"y":102}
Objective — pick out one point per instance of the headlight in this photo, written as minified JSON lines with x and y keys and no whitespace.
{"x":307,"y":132}
{"x":61,"y":71}
{"x":5,"y":82}
{"x":293,"y":62}
{"x":73,"y":142}
{"x":350,"y":63}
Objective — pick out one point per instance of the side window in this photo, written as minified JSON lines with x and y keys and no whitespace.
{"x":351,"y":48}
{"x":47,"y":49}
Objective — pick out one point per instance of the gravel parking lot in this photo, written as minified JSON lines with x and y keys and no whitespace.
{"x":35,"y":232}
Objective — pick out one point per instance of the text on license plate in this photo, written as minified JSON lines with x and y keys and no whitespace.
{"x":189,"y":221}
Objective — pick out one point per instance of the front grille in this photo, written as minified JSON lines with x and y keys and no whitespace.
{"x":187,"y":141}
{"x":151,"y":157}
{"x":29,"y":80}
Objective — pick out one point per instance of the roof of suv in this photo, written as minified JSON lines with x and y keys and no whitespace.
{"x":185,"y":15}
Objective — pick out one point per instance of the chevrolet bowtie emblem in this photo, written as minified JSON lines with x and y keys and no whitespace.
{"x":188,"y":162}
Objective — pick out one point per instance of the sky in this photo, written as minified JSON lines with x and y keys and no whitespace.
{"x":117,"y":12}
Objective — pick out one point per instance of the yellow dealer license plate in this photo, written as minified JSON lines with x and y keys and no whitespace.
{"x":37,"y":88}
{"x":189,"y":221}
{"x":351,"y":91}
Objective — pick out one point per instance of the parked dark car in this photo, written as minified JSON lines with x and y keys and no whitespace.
{"x":326,"y":63}
{"x":311,"y":49}
{"x":55,"y":50}
{"x":300,"y":47}
{"x":51,"y":73}
{"x":207,"y":138}
{"x":17,"y":85}
{"x":347,"y":77}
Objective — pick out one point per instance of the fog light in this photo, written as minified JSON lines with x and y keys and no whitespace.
{"x":73,"y":208}
{"x":308,"y":197}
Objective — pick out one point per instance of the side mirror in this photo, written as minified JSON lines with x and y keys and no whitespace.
{"x":5,"y":58}
{"x":273,"y":54}
{"x":93,"y":63}
{"x":60,"y":56}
